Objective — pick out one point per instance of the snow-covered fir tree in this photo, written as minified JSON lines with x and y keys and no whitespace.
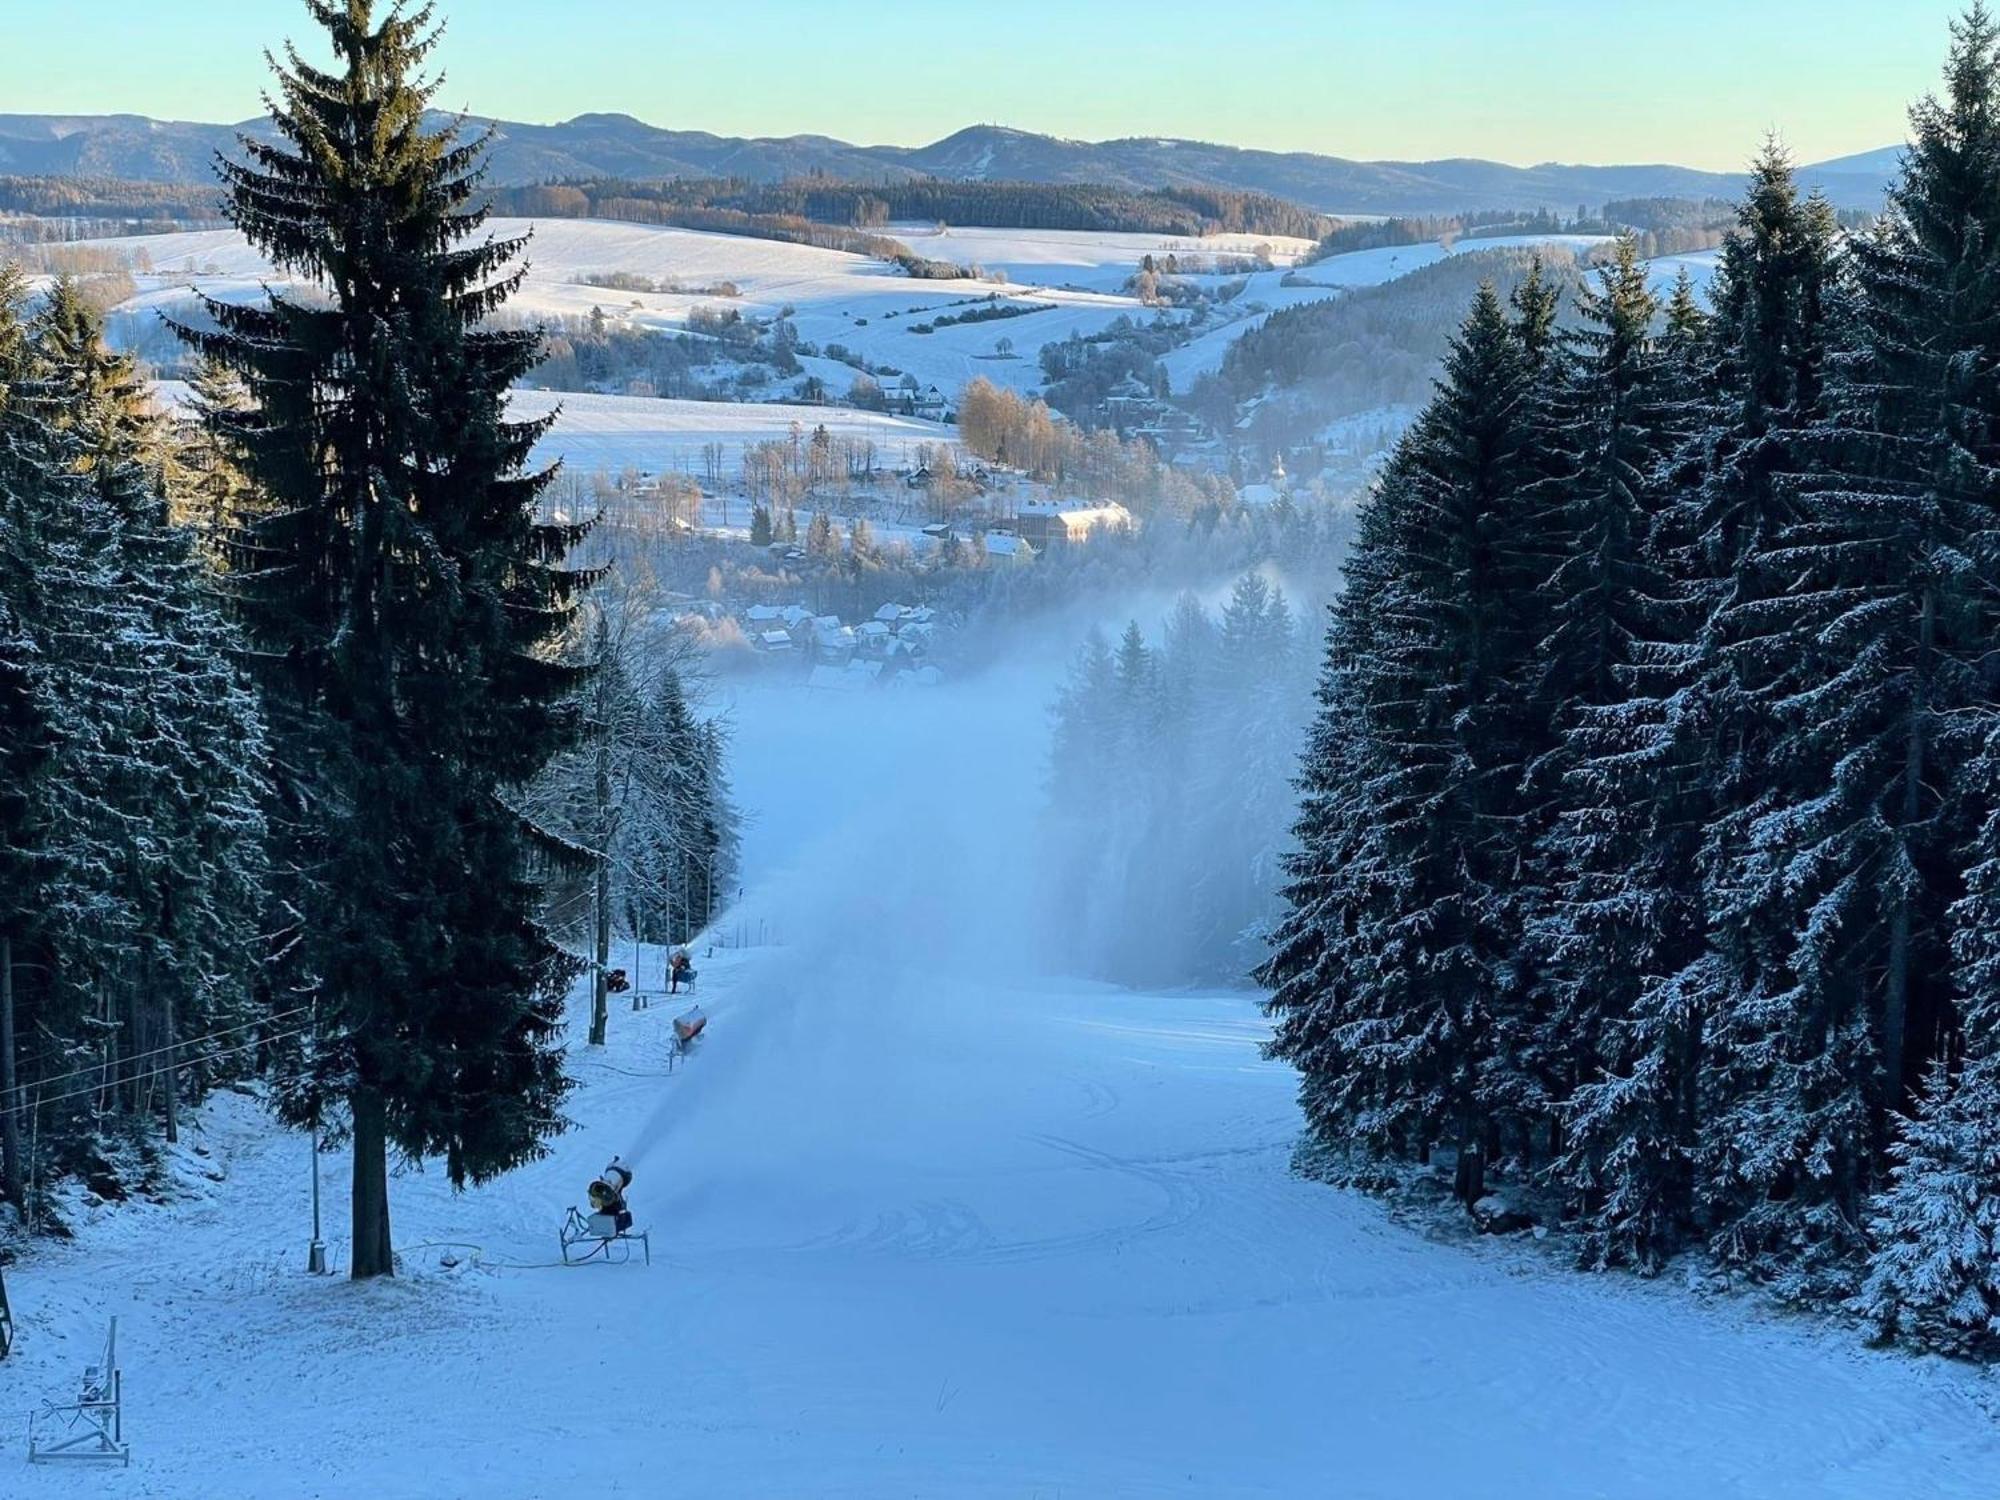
{"x":134,"y":752}
{"x":1427,"y":708}
{"x":401,"y":596}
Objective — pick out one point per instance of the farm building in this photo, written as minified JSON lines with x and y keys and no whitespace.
{"x":1058,"y":523}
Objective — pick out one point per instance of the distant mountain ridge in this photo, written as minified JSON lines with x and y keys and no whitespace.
{"x":135,"y":148}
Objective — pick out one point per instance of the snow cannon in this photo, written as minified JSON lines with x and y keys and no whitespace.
{"x":609,"y":1215}
{"x":606,"y":1232}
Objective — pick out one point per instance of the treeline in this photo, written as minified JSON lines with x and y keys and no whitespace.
{"x":1649,"y":854}
{"x":1191,"y":211}
{"x":107,"y":199}
{"x":1169,"y":792}
{"x":1370,"y":349}
{"x":133,"y":774}
{"x":267,"y":778}
{"x":1382,"y":234}
{"x":1662,"y":226}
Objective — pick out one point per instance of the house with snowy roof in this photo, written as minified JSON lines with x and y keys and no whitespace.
{"x":1005,"y":548}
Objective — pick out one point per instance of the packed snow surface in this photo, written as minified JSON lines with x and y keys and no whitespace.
{"x":928,"y":1223}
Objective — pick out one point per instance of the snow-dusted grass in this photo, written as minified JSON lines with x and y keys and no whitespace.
{"x":926,"y":1223}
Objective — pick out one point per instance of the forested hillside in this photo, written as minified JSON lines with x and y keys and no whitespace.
{"x":1370,"y":350}
{"x":872,"y":205}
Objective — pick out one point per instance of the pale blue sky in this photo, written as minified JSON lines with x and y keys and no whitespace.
{"x":1693,"y":81}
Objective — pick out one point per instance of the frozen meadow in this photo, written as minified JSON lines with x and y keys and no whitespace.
{"x":1075,"y":281}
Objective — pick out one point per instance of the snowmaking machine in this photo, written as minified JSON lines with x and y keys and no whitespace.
{"x":607,"y":1225}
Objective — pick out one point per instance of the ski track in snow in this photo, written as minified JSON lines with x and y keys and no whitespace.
{"x":926,"y":1224}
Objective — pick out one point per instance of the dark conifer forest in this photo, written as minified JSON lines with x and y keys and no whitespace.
{"x":1647,"y":855}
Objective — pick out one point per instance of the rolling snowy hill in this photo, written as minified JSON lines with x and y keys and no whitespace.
{"x":1068,"y":282}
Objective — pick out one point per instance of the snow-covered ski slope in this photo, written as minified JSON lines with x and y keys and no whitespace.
{"x":1075,"y":282}
{"x":928,"y":1224}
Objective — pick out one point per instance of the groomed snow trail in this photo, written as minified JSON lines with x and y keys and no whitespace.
{"x":926,"y":1224}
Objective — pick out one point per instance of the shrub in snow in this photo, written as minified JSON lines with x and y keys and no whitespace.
{"x":1934,"y":1275}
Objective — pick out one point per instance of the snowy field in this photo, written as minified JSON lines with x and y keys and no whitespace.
{"x":1075,"y":277}
{"x":1075,"y":281}
{"x":613,"y":433}
{"x":927,"y":1223}
{"x":610,"y":434}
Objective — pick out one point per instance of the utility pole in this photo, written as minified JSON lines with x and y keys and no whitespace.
{"x":173,"y":1059}
{"x":316,"y":1251}
{"x":11,"y":1176}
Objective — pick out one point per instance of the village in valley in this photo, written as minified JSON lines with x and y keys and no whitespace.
{"x":804,"y":608}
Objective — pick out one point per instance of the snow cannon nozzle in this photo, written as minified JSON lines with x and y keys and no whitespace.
{"x":607,"y":1194}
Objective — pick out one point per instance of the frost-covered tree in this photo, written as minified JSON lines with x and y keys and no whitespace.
{"x":1885,"y":615}
{"x":401,"y":596}
{"x":1934,"y":1230}
{"x":1405,"y":891}
{"x":133,"y":756}
{"x":1619,"y":896}
{"x":191,"y":779}
{"x":1167,"y":791}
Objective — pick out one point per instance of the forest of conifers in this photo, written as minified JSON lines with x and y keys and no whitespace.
{"x":1649,"y":858}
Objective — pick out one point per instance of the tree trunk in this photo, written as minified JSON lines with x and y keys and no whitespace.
{"x":600,"y":986}
{"x":11,"y":1175}
{"x":1896,"y":1001}
{"x":372,"y":1254}
{"x":1469,"y":1181}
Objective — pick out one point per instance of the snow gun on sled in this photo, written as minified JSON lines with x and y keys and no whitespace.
{"x":608,"y":1224}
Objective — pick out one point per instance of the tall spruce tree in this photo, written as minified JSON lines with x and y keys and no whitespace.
{"x":1887,"y":611}
{"x":399,"y":592}
{"x":1619,"y":896}
{"x":1740,"y":386}
{"x":1395,"y":975}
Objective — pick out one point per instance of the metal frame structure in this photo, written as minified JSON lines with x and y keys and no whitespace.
{"x":578,"y":1230}
{"x":93,"y":1425}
